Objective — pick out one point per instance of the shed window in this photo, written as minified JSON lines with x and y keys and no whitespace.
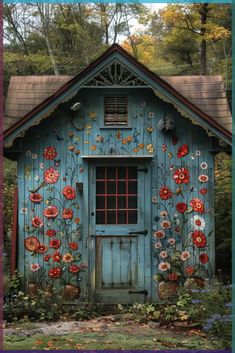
{"x":115,"y":110}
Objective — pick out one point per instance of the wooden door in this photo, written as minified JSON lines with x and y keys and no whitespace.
{"x":119,"y":234}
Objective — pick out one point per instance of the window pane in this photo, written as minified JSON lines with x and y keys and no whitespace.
{"x":122,"y":217}
{"x":100,"y":202}
{"x":122,"y":187}
{"x":132,"y":187}
{"x":132,"y":173}
{"x":111,"y":187}
{"x":111,"y":202}
{"x":100,"y":217}
{"x":100,"y":187}
{"x":100,"y":173}
{"x":121,"y":202}
{"x":111,"y":173}
{"x":132,"y":217}
{"x":122,"y":173}
{"x":132,"y":202}
{"x":111,"y":217}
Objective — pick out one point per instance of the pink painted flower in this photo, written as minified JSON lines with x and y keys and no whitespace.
{"x":163,"y":254}
{"x":185,"y":255}
{"x":51,"y":175}
{"x":69,"y":192}
{"x":51,"y":212}
{"x":159,"y":234}
{"x":49,"y":153}
{"x":35,"y":267}
{"x":164,"y":266}
{"x":67,"y":213}
{"x":37,"y":222}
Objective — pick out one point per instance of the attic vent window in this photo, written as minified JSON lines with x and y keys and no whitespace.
{"x":115,"y":111}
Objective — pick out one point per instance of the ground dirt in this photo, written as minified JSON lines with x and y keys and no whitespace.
{"x":106,"y":333}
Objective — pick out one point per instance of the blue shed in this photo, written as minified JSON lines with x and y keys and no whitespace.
{"x":116,"y":180}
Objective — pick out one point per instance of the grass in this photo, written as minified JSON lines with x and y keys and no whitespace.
{"x":150,"y":339}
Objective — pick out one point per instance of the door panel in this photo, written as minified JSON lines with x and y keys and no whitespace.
{"x":118,"y":261}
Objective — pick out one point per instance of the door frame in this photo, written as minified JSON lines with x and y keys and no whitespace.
{"x":146,"y":241}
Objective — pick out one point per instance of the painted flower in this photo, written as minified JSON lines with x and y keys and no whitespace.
{"x":164,"y":148}
{"x":57,"y":257}
{"x":151,"y":114}
{"x":163,"y":214}
{"x":181,"y":207}
{"x":171,"y":241}
{"x":159,"y":234}
{"x":23,"y":210}
{"x":185,"y":255}
{"x":175,"y":139}
{"x":68,"y":258}
{"x":41,"y":249}
{"x":165,"y":193}
{"x":51,"y":212}
{"x":182,"y":151}
{"x":154,"y":199}
{"x":73,"y":246}
{"x":46,"y":258}
{"x":198,"y":153}
{"x":189,"y":270}
{"x":37,"y":222}
{"x":181,"y":175}
{"x":55,"y":243}
{"x":67,"y":213}
{"x":197,"y":205}
{"x":50,"y":232}
{"x":150,"y":148}
{"x":203,"y":165}
{"x":199,"y":239}
{"x":31,"y":243}
{"x":51,"y":175}
{"x":35,"y":267}
{"x":173,"y":276}
{"x":203,"y":178}
{"x":164,"y":266}
{"x":203,"y":191}
{"x":197,"y":223}
{"x":55,"y":272}
{"x":83,"y":266}
{"x":165,"y":224}
{"x":158,"y":245}
{"x":163,"y":254}
{"x":203,"y":258}
{"x":41,"y":165}
{"x":69,"y":192}
{"x":74,"y":269}
{"x":50,"y":153}
{"x":35,"y":197}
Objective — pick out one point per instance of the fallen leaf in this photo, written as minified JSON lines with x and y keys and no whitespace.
{"x":38,"y":342}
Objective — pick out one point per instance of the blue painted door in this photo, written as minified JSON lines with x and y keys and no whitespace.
{"x":119,"y":232}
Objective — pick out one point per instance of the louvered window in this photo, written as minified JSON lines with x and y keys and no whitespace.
{"x":115,"y":110}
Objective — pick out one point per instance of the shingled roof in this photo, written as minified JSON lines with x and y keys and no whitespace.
{"x":205,"y":92}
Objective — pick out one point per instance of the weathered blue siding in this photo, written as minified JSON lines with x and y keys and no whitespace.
{"x":72,"y":144}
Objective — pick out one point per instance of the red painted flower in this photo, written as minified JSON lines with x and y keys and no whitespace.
{"x":164,"y":148}
{"x":49,"y":153}
{"x":50,"y":232}
{"x":55,"y":243}
{"x":175,"y":139}
{"x":31,"y":243}
{"x":41,"y":249}
{"x":35,"y":197}
{"x":74,"y":269}
{"x":204,"y":258}
{"x":197,"y":205}
{"x":165,"y":193}
{"x":173,"y":276}
{"x":69,"y":192}
{"x":83,"y":266}
{"x":182,"y":151}
{"x":203,"y":191}
{"x":189,"y":270}
{"x":181,"y":207}
{"x":73,"y":246}
{"x":46,"y":258}
{"x":37,"y":222}
{"x":199,"y":239}
{"x":181,"y":176}
{"x":51,"y":175}
{"x":67,"y":213}
{"x":57,"y":257}
{"x":55,"y":272}
{"x":51,"y":212}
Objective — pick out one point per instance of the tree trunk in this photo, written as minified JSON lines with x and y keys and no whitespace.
{"x":203,"y":62}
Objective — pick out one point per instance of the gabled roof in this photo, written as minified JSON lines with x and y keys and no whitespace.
{"x":202,"y":97}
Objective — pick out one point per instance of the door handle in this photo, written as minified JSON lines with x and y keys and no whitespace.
{"x":142,"y":232}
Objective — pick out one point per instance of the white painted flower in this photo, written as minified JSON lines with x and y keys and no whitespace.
{"x":198,"y":153}
{"x":171,"y":241}
{"x":23,"y":210}
{"x":151,"y":114}
{"x":172,"y":167}
{"x":197,"y":223}
{"x":159,"y":234}
{"x":185,"y":255}
{"x":163,"y":254}
{"x":28,"y":153}
{"x":41,"y":165}
{"x":192,"y":156}
{"x":36,"y":178}
{"x":143,"y":104}
{"x":35,"y":267}
{"x":203,"y":178}
{"x":165,"y":224}
{"x":204,"y":165}
{"x":163,"y":214}
{"x":164,"y":266}
{"x":154,"y":199}
{"x":158,"y":245}
{"x":176,"y":215}
{"x":34,"y":156}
